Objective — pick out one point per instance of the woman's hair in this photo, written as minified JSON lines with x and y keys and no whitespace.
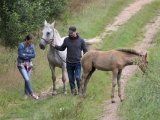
{"x":28,"y":37}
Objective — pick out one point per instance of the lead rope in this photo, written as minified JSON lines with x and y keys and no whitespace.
{"x":60,"y":56}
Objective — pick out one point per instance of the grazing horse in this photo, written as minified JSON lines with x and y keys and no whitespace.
{"x":113,"y":60}
{"x":55,"y":58}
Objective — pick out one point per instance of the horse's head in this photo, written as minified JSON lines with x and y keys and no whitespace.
{"x":48,"y":34}
{"x":143,"y":63}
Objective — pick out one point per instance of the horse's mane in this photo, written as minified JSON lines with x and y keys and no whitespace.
{"x":129,"y":51}
{"x":58,"y":37}
{"x":57,"y":33}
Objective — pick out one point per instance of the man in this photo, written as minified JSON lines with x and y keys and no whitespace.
{"x":75,"y":45}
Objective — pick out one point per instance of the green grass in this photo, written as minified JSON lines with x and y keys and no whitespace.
{"x":133,"y":30}
{"x":92,"y":20}
{"x":142,"y":92}
{"x":60,"y":107}
{"x":7,"y":59}
{"x":13,"y":106}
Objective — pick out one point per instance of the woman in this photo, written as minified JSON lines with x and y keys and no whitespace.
{"x":26,"y":52}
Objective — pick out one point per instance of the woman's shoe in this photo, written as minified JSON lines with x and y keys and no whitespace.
{"x":35,"y":96}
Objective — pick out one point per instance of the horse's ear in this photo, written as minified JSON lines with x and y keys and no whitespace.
{"x":145,"y":55}
{"x":45,"y":22}
{"x":53,"y":24}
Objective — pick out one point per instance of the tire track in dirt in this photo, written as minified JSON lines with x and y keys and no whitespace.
{"x":141,"y":46}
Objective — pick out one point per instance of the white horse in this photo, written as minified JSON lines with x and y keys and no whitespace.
{"x":55,"y":58}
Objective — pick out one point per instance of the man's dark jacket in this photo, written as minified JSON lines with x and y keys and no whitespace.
{"x":74,"y":47}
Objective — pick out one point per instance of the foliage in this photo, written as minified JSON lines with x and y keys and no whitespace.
{"x":21,"y":17}
{"x":54,"y":7}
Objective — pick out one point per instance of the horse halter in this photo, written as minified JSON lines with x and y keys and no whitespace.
{"x":48,"y":41}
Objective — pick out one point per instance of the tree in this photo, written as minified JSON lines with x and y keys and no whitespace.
{"x":20,"y":17}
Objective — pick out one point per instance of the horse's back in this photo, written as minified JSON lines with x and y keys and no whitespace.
{"x":103,"y":60}
{"x":100,"y":54}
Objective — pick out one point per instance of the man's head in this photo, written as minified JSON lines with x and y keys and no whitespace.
{"x":72,"y":32}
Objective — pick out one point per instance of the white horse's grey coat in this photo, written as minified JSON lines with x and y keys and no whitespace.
{"x":55,"y":58}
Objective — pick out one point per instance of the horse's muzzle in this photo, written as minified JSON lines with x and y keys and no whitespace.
{"x":41,"y":46}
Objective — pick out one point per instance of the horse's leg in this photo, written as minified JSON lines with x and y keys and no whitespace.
{"x":87,"y":67}
{"x":87,"y":80}
{"x":64,"y":79}
{"x":53,"y":79}
{"x":119,"y":84}
{"x":84,"y":77}
{"x":114,"y":80}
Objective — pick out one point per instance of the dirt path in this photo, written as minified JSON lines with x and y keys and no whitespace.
{"x":121,"y":19}
{"x":46,"y":93}
{"x":142,"y":46}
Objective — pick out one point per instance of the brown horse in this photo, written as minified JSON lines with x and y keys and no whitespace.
{"x":113,"y":60}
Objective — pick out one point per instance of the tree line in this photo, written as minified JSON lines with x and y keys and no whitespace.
{"x":20,"y":17}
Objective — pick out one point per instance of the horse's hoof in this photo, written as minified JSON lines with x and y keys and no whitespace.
{"x":122,"y":100}
{"x":84,"y":95}
{"x":113,"y":101}
{"x":54,"y":93}
{"x":80,"y":94}
{"x":65,"y":93}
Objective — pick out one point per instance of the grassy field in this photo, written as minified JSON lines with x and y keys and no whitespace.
{"x":142,"y":92}
{"x":92,"y":20}
{"x":12,"y":104}
{"x":60,"y":107}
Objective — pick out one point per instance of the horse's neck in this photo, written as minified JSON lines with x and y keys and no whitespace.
{"x":135,"y":60}
{"x":57,"y":38}
{"x":57,"y":41}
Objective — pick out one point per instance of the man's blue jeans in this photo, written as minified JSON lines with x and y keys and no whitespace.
{"x":74,"y":73}
{"x":26,"y":75}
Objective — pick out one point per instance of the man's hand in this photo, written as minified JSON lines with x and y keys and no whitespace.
{"x":53,"y":45}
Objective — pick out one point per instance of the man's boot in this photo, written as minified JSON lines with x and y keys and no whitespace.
{"x":74,"y":91}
